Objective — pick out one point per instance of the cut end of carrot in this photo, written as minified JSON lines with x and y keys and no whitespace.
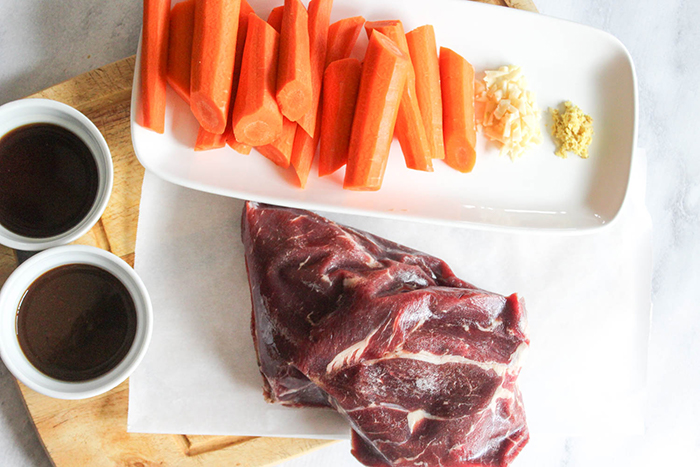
{"x":294,"y":99}
{"x":280,"y":150}
{"x":209,"y":115}
{"x":258,"y":132}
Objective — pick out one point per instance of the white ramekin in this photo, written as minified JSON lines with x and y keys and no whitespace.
{"x":11,"y":296}
{"x":26,"y":111}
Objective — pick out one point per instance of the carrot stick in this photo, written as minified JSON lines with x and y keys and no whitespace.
{"x":421,"y":45}
{"x":339,"y":46}
{"x":243,"y":15}
{"x":384,"y":74}
{"x":275,"y":18}
{"x":409,"y":125}
{"x":280,"y":150}
{"x":180,"y":48}
{"x":207,"y":140}
{"x":213,"y":56}
{"x":342,"y":36}
{"x":457,"y":83}
{"x":304,"y":151}
{"x":294,"y":66}
{"x":341,"y":82}
{"x":154,"y":55}
{"x":256,"y":118}
{"x":319,"y":20}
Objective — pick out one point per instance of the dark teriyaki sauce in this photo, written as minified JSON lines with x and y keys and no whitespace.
{"x":48,"y":180}
{"x":76,"y":322}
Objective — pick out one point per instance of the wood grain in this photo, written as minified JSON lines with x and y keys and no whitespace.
{"x":93,"y":431}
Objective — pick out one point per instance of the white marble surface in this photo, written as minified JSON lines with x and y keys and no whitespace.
{"x":44,"y":42}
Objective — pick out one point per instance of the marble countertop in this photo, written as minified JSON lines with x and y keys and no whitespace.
{"x":43,"y":43}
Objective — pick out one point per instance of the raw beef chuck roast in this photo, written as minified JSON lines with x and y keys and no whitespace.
{"x":422,"y":364}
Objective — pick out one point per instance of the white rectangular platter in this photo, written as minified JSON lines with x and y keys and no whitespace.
{"x":561,"y":60}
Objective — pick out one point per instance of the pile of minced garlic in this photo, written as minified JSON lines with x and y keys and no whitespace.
{"x":573,"y":130}
{"x":509,"y":112}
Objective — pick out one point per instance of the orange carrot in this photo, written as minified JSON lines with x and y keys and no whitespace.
{"x":256,"y":118}
{"x":421,"y":45}
{"x":294,"y":66}
{"x":275,"y":18}
{"x":243,"y":15}
{"x":319,"y":20}
{"x":410,"y":130}
{"x":384,"y":74}
{"x":340,"y":85}
{"x":339,"y":46}
{"x":342,"y":36}
{"x":154,"y":55}
{"x":237,"y":145}
{"x":180,"y":48}
{"x":207,"y":140}
{"x":213,"y":56}
{"x":457,"y":83}
{"x":280,"y":150}
{"x":304,"y":151}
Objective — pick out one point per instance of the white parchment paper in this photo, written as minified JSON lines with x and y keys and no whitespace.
{"x":588,"y":299}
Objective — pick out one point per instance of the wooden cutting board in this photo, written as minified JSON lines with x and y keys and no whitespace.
{"x":93,"y":431}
